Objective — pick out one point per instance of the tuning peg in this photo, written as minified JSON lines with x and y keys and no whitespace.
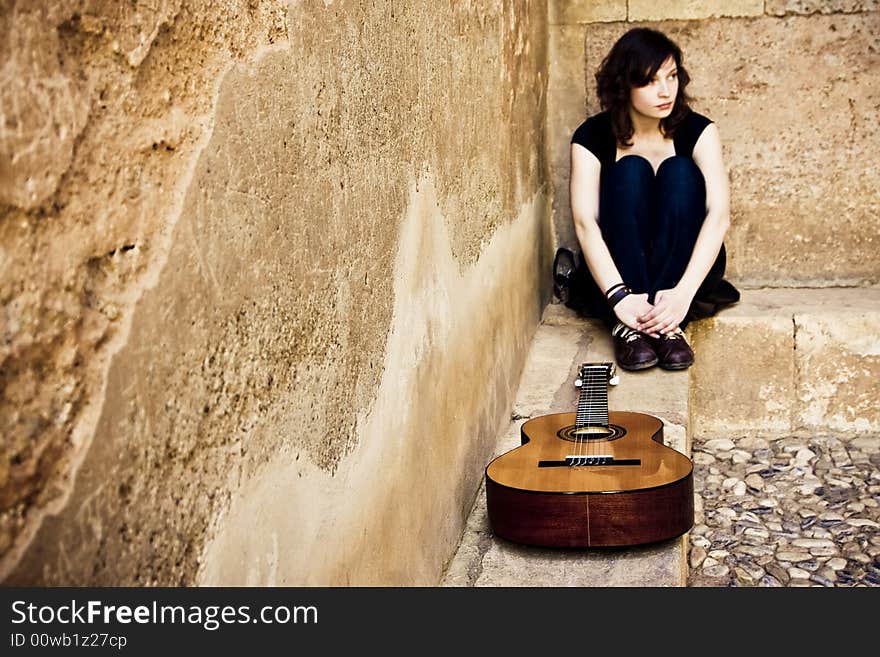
{"x":613,"y":377}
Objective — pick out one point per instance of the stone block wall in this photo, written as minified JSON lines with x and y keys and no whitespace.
{"x":268,"y":272}
{"x":794,"y":87}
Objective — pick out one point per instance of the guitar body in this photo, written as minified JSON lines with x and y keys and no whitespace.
{"x":638,"y":491}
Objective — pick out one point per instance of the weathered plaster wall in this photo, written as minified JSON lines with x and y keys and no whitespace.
{"x":794,"y":87}
{"x":269,"y":274}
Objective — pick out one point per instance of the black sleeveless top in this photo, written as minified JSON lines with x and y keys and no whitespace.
{"x":596,"y":135}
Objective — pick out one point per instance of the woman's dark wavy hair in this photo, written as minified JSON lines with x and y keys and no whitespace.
{"x":632,"y":62}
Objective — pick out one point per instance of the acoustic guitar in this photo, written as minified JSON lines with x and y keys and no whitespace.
{"x":591,"y":478}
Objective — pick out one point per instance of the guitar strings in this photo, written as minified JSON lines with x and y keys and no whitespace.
{"x":580,"y":424}
{"x":591,"y":405}
{"x":595,"y":382}
{"x":580,"y":420}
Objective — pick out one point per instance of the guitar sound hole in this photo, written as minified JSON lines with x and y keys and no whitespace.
{"x":583,"y":434}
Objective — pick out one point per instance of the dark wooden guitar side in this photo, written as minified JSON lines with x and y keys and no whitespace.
{"x":591,"y":478}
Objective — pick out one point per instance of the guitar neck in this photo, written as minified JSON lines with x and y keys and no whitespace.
{"x":592,"y":407}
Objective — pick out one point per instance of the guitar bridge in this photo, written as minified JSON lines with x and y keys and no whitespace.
{"x":580,"y":461}
{"x":596,"y":459}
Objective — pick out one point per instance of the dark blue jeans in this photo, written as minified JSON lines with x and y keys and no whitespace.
{"x":651,"y":222}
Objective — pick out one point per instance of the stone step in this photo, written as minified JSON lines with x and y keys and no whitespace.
{"x":788,"y":362}
{"x":782,"y":362}
{"x":562,"y":342}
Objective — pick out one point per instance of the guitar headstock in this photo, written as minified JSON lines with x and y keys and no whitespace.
{"x":606,"y":369}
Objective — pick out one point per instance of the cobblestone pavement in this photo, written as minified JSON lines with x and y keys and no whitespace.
{"x":786,"y":512}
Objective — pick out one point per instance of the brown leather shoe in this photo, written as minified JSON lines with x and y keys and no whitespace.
{"x":634,"y":351}
{"x":673,"y":351}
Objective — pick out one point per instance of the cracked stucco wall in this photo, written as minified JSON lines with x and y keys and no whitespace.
{"x":269,"y":275}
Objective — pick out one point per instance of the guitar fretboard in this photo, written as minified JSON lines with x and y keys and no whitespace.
{"x":592,"y":408}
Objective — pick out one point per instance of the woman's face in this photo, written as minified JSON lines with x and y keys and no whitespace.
{"x":655,"y":99}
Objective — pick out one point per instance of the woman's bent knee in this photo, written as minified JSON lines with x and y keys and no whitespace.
{"x":682,"y":168}
{"x":629,"y":181}
{"x":633,"y":166}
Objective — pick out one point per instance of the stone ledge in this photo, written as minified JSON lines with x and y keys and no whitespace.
{"x":787,"y":362}
{"x":783,"y":361}
{"x":562,"y":342}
